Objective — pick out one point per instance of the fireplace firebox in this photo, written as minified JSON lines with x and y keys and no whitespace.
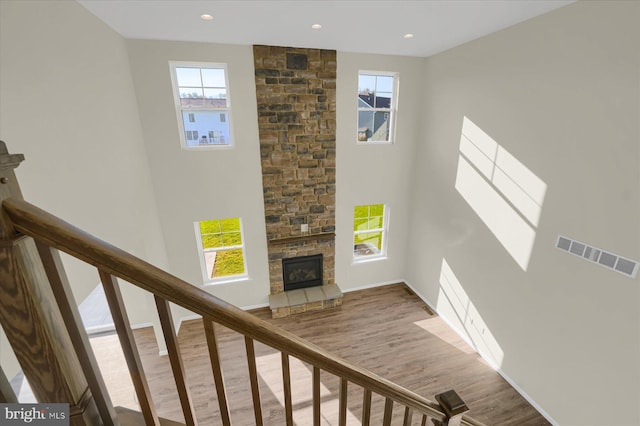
{"x":302,"y":272}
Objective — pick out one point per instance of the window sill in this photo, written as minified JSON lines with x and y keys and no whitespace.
{"x":229,"y":280}
{"x":210,"y":147}
{"x":366,"y":259}
{"x":364,"y":143}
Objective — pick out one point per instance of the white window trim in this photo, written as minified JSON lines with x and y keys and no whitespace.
{"x":393,"y":110}
{"x":176,"y":101}
{"x":385,"y":233}
{"x":203,"y":264}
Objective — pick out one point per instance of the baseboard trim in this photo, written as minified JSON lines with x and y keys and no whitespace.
{"x":100,"y":329}
{"x":504,"y":375}
{"x":197,"y":316}
{"x":141,"y":325}
{"x":187,"y":318}
{"x":365,"y":287}
{"x":252,"y":307}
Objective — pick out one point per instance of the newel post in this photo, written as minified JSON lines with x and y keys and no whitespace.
{"x":453,"y":406}
{"x":31,"y":318}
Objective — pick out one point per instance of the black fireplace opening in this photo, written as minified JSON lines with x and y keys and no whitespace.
{"x":302,"y":272}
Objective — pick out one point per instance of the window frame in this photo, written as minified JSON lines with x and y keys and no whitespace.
{"x":207,"y":280}
{"x":392,"y":110}
{"x":179,"y":109}
{"x":384,"y":231}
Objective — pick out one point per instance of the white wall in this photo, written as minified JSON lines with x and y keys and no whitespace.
{"x":198,"y":185}
{"x":194,"y":185}
{"x":373,"y":174}
{"x":560,"y":93}
{"x":67,"y":102}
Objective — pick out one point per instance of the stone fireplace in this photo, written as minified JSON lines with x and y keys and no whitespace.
{"x":296,"y":97}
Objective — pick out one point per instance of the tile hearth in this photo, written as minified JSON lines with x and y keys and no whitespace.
{"x":305,"y":300}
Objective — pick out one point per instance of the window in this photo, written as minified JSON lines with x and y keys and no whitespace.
{"x":377,"y":93}
{"x":192,"y":135}
{"x":221,"y":248}
{"x":369,"y":231}
{"x":201,"y":95}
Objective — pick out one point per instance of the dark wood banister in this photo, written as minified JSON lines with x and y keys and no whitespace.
{"x":42,"y":226}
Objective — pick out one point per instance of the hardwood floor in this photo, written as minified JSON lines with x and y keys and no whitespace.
{"x":385,"y":329}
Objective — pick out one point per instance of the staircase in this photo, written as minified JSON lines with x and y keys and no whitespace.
{"x":42,"y":323}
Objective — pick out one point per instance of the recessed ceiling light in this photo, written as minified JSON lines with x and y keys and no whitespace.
{"x":316,"y":26}
{"x":408,"y":35}
{"x":207,"y":17}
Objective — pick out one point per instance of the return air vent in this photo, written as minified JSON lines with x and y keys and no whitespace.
{"x":599,"y":256}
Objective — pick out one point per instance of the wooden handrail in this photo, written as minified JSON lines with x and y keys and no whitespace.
{"x":42,"y":226}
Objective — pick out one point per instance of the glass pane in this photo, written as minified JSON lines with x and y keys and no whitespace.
{"x":193,"y":102}
{"x":206,"y":123}
{"x":383,"y":100}
{"x":377,"y":210}
{"x":211,"y":241}
{"x":381,"y":126}
{"x":216,"y":94}
{"x":375,"y":222}
{"x":372,"y":240}
{"x":366,"y":124}
{"x":228,"y":262}
{"x":366,"y":83}
{"x":361,"y":211}
{"x":191,"y":93}
{"x":231,"y":224}
{"x":188,"y":77}
{"x":209,"y":226}
{"x":384,"y":83}
{"x":232,"y":239}
{"x":213,"y":77}
{"x":366,"y":100}
{"x":375,"y":239}
{"x":360,"y":224}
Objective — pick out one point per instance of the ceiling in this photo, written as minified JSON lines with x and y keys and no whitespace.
{"x":348,"y":25}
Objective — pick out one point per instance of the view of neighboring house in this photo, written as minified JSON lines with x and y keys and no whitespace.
{"x":204,"y":127}
{"x":373,"y":125}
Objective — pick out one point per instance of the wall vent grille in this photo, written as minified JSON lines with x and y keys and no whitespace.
{"x":612,"y":261}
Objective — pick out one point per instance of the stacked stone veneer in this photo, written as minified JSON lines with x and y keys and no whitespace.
{"x":296,"y":94}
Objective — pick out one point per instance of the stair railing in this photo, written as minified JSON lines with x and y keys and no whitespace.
{"x":43,"y":325}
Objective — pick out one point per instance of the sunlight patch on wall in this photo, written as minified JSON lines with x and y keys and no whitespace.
{"x":453,"y":302}
{"x":511,"y":230}
{"x":504,"y":193}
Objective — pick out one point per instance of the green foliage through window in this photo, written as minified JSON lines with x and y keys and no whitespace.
{"x":368,"y":229}
{"x":222,"y":247}
{"x":228,"y":262}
